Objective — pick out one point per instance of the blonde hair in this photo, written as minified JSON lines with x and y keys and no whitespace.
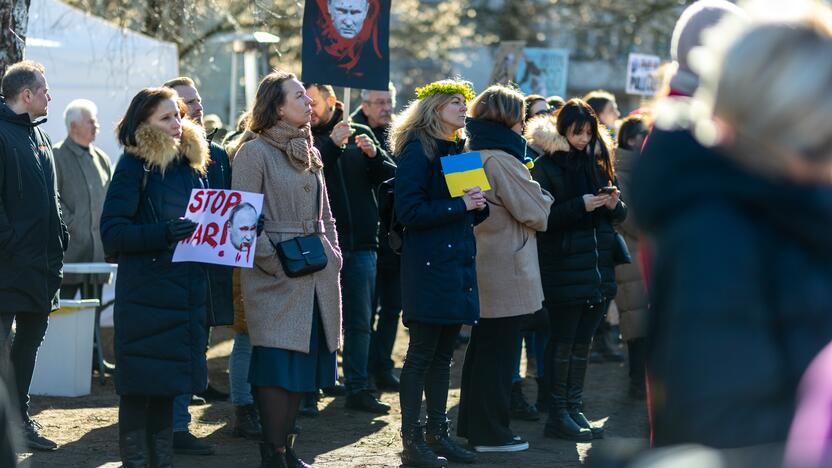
{"x":773,"y":86}
{"x":421,"y":119}
{"x":500,"y":104}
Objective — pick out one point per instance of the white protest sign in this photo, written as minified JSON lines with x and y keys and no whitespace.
{"x":641,"y":74}
{"x":226,"y":231}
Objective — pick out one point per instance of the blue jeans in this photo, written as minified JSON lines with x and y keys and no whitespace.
{"x":358,"y":282}
{"x":181,"y":416}
{"x":389,"y":307}
{"x":535,"y":341}
{"x":238,"y":364}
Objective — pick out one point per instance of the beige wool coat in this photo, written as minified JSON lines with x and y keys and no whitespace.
{"x":508,"y":272}
{"x":632,"y":294}
{"x":278,"y":309}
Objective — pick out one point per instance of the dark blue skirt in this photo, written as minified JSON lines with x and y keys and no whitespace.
{"x":293,"y":370}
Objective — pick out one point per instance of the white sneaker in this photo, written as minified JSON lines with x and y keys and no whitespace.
{"x":517,"y":444}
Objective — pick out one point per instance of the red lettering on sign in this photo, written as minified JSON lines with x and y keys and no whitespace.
{"x":234,"y":199}
{"x":219,"y":200}
{"x":197,"y":203}
{"x":197,"y":235}
{"x":224,"y":233}
{"x":211,"y":230}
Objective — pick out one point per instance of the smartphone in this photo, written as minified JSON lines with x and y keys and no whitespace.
{"x":606,"y":190}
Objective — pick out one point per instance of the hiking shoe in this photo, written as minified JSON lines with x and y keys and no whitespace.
{"x":186,"y":443}
{"x":34,"y":439}
{"x":365,"y":401}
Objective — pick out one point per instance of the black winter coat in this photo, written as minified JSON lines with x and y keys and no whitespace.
{"x":740,"y":295}
{"x":220,"y":295}
{"x":387,"y":259}
{"x":439,"y":275}
{"x":351,"y":178}
{"x":33,"y":236}
{"x":160,"y":308}
{"x":576,"y":251}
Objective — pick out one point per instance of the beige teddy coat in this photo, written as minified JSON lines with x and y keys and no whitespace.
{"x":508,"y":272}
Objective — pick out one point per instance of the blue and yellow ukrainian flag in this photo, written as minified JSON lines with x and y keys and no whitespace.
{"x":464,"y":171}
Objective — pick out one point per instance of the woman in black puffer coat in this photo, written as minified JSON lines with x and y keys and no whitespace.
{"x":160,"y":310}
{"x":575,"y":252}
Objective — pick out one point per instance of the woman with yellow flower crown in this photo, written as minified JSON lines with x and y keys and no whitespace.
{"x":438,"y":264}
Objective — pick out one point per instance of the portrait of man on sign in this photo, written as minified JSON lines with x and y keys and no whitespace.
{"x":242,"y":226}
{"x":345,"y":43}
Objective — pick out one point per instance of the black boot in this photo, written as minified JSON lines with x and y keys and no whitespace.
{"x":271,"y":458}
{"x":439,"y":440}
{"x":292,"y":459}
{"x":637,"y":351}
{"x":132,"y":449}
{"x":575,"y":388}
{"x":605,"y":345}
{"x":161,"y":448}
{"x":247,"y":423}
{"x":560,"y":424}
{"x":542,"y":403}
{"x":520,"y":408}
{"x":415,"y":451}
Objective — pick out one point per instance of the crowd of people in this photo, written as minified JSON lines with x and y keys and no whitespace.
{"x":701,"y":218}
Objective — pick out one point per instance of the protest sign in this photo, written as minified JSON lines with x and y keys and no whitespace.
{"x":346,"y":43}
{"x":641,"y":74}
{"x":506,"y":58}
{"x":464,"y":171}
{"x":226,"y":231}
{"x":543,"y":71}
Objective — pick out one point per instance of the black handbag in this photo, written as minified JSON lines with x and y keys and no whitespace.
{"x":620,"y":251}
{"x":303,"y":255}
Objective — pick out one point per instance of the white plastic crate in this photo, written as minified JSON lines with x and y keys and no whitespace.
{"x":64,"y":363}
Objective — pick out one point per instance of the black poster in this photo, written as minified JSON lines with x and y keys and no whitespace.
{"x":346,"y":43}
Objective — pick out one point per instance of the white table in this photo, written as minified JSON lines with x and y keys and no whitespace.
{"x":89,"y":273}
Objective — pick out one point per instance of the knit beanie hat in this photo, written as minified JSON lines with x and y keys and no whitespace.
{"x":688,"y":34}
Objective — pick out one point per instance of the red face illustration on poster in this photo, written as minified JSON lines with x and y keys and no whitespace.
{"x":226,"y":232}
{"x":346,"y":43}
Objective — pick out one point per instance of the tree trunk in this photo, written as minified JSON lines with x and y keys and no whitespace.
{"x":14,"y":20}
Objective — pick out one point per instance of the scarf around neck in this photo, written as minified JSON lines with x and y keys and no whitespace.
{"x":296,"y":143}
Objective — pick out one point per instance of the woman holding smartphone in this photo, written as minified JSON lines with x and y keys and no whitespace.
{"x":575,"y":252}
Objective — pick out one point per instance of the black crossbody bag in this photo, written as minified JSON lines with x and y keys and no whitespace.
{"x":303,"y":255}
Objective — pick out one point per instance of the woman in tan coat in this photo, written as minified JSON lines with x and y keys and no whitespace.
{"x":294,"y":322}
{"x":508,"y":274}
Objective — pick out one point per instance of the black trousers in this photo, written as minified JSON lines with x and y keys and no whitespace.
{"x":427,"y":369}
{"x":31,"y":328}
{"x":485,"y":402}
{"x":575,"y":323}
{"x":153,"y":414}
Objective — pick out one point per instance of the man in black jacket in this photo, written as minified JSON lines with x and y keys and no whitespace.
{"x":376,"y":112}
{"x":354,"y":164}
{"x":33,"y":236}
{"x":220,"y":307}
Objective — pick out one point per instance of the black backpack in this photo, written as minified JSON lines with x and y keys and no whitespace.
{"x":389,"y":223}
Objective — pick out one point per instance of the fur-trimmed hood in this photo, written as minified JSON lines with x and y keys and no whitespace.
{"x":542,"y":133}
{"x":159,"y":149}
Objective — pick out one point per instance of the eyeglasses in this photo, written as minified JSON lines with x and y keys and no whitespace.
{"x":380,"y":102}
{"x":542,"y":112}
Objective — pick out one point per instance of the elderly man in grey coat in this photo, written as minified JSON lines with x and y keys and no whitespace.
{"x":83,"y":174}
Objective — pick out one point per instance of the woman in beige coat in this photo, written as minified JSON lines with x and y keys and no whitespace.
{"x":294,"y":323}
{"x":508,"y":274}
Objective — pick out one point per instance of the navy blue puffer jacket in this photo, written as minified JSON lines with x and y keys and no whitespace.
{"x":160,"y":311}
